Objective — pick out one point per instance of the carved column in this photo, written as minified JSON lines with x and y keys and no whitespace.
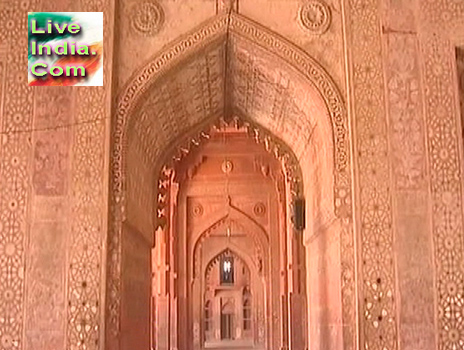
{"x":154,"y":288}
{"x":196,"y":305}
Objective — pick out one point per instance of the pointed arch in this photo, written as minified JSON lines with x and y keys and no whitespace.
{"x":216,"y":255}
{"x":220,"y":220}
{"x":138,"y":135}
{"x":213,"y":33}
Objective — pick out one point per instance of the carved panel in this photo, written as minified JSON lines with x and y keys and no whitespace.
{"x":405,"y":106}
{"x":84,"y":276}
{"x":446,"y":186}
{"x":53,"y":114}
{"x":404,"y":97}
{"x":45,"y":321}
{"x":377,"y":269}
{"x":444,"y":15}
{"x":15,"y":162}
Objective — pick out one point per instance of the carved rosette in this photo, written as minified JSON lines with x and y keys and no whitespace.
{"x":227,"y":166}
{"x":147,"y":17}
{"x":259,"y":209}
{"x":315,"y":16}
{"x":197,"y":210}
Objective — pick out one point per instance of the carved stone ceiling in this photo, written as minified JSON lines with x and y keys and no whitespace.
{"x":255,"y":85}
{"x":187,"y":95}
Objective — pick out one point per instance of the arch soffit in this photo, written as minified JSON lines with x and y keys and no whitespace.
{"x":212,"y":31}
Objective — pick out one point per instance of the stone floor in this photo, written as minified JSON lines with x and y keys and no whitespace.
{"x":232,"y":345}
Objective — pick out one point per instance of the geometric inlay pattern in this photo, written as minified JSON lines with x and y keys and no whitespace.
{"x":15,"y":150}
{"x":85,"y":253}
{"x":446,"y":187}
{"x":377,"y":266}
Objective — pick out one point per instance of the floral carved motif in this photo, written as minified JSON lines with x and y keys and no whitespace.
{"x":315,"y":16}
{"x":147,"y":17}
{"x":51,"y":146}
{"x":404,"y":104}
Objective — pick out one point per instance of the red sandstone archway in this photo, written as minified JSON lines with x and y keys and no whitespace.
{"x":315,"y":128}
{"x":198,"y":205}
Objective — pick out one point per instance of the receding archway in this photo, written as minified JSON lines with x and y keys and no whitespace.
{"x":230,"y":192}
{"x":306,"y":112}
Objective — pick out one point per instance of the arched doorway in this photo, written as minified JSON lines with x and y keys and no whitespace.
{"x":229,"y":66}
{"x":227,"y":299}
{"x":238,"y":261}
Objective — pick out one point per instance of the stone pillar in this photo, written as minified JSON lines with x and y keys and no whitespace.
{"x":238,"y":320}
{"x":162,"y":336}
{"x":162,"y":304}
{"x":173,"y":280}
{"x":197,"y":307}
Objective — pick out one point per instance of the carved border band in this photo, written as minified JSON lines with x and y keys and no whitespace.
{"x":445,"y":167}
{"x":376,"y":271}
{"x":86,"y":258}
{"x":15,"y":176}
